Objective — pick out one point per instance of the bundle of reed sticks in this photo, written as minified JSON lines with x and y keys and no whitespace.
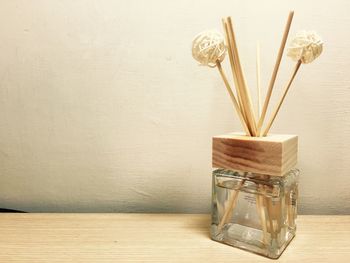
{"x":243,"y":103}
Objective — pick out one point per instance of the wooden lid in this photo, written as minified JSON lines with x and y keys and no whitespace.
{"x":274,"y":154}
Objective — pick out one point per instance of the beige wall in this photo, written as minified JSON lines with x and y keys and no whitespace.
{"x":102,"y":107}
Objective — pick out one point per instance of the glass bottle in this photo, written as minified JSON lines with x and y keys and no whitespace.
{"x":253,"y":211}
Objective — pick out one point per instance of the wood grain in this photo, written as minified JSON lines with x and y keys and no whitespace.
{"x":154,"y":238}
{"x":273,"y":155}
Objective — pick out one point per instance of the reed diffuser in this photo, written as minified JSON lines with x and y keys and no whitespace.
{"x":255,"y":183}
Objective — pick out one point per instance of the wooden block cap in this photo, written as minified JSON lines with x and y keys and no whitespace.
{"x":274,"y":154}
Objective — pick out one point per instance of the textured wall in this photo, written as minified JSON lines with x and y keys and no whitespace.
{"x":102,"y":107}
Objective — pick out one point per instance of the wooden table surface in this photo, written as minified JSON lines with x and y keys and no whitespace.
{"x":154,"y":238}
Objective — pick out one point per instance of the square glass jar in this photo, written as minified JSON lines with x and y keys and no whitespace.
{"x":255,"y":212}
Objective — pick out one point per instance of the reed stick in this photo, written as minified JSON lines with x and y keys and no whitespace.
{"x":260,"y":198}
{"x":246,"y":106}
{"x":229,"y":210}
{"x":258,"y":79}
{"x":296,"y":68}
{"x":269,"y":206}
{"x":232,"y":96}
{"x":246,"y":98}
{"x":233,"y":68}
{"x":242,"y":113}
{"x":275,"y":70}
{"x":290,"y":210}
{"x":262,"y":214}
